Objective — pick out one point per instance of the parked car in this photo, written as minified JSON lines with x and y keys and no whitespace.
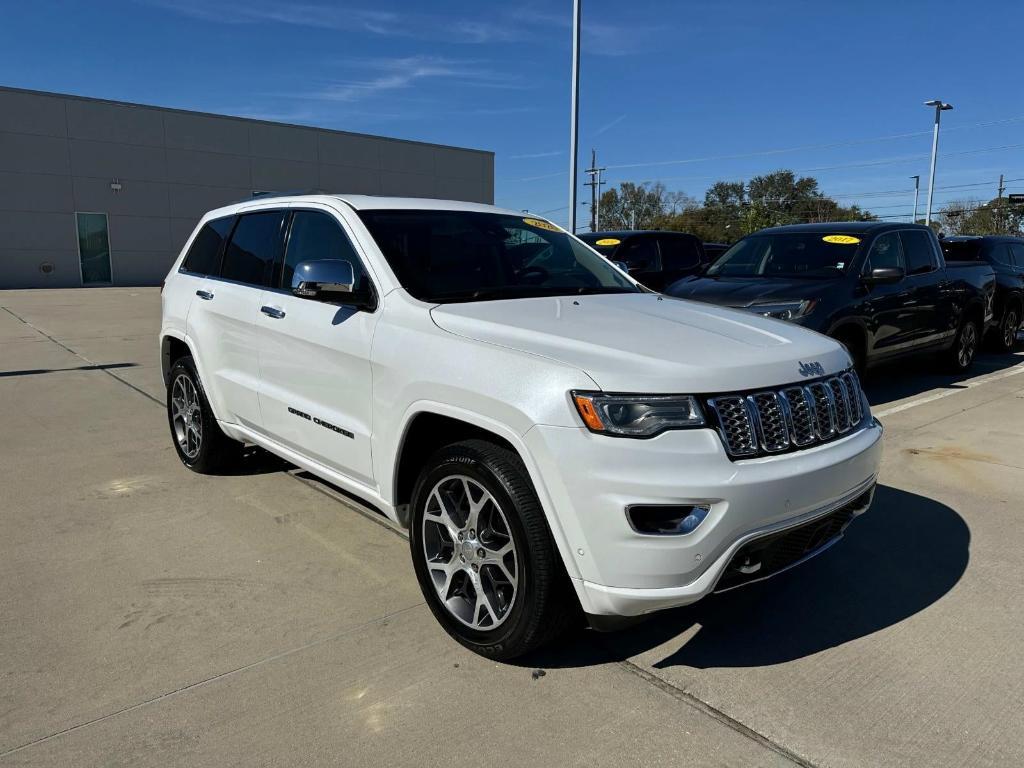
{"x":553,"y":436}
{"x":883,"y":290}
{"x":1006,"y":257}
{"x":713,"y":250}
{"x":656,"y":259}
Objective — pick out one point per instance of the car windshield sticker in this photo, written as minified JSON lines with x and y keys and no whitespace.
{"x":607,"y":241}
{"x":541,"y":224}
{"x":841,"y":239}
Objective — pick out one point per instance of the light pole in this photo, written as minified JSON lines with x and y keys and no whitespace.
{"x":940,"y":107}
{"x":574,"y":131}
{"x":917,"y":194}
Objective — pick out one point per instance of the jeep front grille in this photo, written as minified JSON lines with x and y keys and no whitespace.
{"x":789,"y":418}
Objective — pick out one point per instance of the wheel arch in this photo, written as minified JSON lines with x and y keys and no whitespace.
{"x":855,"y":331}
{"x":172,"y":348}
{"x":428,"y":427}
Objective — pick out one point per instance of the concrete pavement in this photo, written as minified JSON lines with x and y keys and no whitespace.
{"x":156,"y":617}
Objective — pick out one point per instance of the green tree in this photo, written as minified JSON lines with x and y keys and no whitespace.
{"x":731,"y":209}
{"x":974,"y":217}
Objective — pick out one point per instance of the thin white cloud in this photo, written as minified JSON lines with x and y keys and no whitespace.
{"x":508,"y":25}
{"x":608,"y":126}
{"x":403,"y":73}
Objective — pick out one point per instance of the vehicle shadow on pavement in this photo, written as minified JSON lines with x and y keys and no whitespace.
{"x":256,"y":461}
{"x":900,"y":557}
{"x":893,"y":381}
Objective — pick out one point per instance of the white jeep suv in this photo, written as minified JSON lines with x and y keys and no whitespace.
{"x":554,"y":436}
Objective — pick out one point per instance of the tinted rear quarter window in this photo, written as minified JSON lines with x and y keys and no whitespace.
{"x":203,"y":257}
{"x":254,"y":246}
{"x":918,"y":252}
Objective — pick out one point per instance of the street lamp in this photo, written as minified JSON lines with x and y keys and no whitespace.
{"x":917,"y":194}
{"x":574,"y":127}
{"x":940,"y":107}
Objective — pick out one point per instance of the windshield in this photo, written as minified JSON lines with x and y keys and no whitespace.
{"x":806,"y":254}
{"x":449,"y":256}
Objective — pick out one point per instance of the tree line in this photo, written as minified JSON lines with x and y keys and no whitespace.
{"x":732,"y":209}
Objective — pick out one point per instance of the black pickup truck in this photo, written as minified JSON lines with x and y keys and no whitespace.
{"x":883,"y":290}
{"x":1006,"y":257}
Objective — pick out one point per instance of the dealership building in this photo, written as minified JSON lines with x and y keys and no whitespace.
{"x":96,"y":192}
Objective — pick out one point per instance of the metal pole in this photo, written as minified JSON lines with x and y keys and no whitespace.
{"x":575,"y":129}
{"x":917,"y":194}
{"x":931,"y":178}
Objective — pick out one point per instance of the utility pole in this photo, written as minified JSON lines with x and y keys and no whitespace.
{"x":999,"y":205}
{"x":574,"y":131}
{"x":917,"y":194}
{"x":595,"y":185}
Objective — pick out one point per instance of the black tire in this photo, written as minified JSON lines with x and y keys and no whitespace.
{"x":207,"y":449}
{"x":543,"y":605}
{"x":1004,"y":338}
{"x":960,"y":356}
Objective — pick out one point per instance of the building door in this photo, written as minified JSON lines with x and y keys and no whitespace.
{"x":93,"y":248}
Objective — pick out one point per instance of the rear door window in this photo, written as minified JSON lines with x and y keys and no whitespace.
{"x":918,"y":252}
{"x":203,"y":256}
{"x":679,"y":253}
{"x":254,"y":248}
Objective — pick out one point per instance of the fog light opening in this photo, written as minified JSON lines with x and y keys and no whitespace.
{"x":667,"y":520}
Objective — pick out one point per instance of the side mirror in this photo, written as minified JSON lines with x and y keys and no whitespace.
{"x":884,"y":275}
{"x":622,"y":265}
{"x":324,"y":280}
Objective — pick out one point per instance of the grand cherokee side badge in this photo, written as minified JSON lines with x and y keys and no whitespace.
{"x":811,"y":369}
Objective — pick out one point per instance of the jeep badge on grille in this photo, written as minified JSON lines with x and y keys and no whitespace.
{"x":811,"y":369}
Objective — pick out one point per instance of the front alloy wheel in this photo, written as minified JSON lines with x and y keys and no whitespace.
{"x":469,"y":552}
{"x":483,"y":553}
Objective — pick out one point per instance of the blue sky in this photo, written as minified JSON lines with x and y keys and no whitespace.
{"x":684,"y":92}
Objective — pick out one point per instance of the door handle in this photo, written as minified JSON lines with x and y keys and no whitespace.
{"x":205,"y":295}
{"x":273,"y":312}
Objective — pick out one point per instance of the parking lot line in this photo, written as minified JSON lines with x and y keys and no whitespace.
{"x":925,"y":399}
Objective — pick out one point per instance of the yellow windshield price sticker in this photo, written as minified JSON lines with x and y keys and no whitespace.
{"x":541,"y":224}
{"x":607,"y":241}
{"x":841,"y":239}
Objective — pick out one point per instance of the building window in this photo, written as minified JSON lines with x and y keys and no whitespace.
{"x":93,"y":248}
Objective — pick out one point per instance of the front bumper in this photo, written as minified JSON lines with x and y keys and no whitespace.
{"x":591,"y":479}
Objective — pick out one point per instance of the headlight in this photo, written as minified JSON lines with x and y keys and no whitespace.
{"x":785,"y":310}
{"x":637,"y":415}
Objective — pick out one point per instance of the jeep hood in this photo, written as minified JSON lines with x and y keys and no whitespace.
{"x":647,"y":342}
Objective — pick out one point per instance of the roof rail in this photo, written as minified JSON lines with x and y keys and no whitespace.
{"x":266,"y":194}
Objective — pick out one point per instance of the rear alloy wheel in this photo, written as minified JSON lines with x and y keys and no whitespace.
{"x":1006,"y":339}
{"x":198,"y":439}
{"x":965,"y":347}
{"x":484,"y":557}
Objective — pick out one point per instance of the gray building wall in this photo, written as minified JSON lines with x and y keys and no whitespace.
{"x":60,"y":155}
